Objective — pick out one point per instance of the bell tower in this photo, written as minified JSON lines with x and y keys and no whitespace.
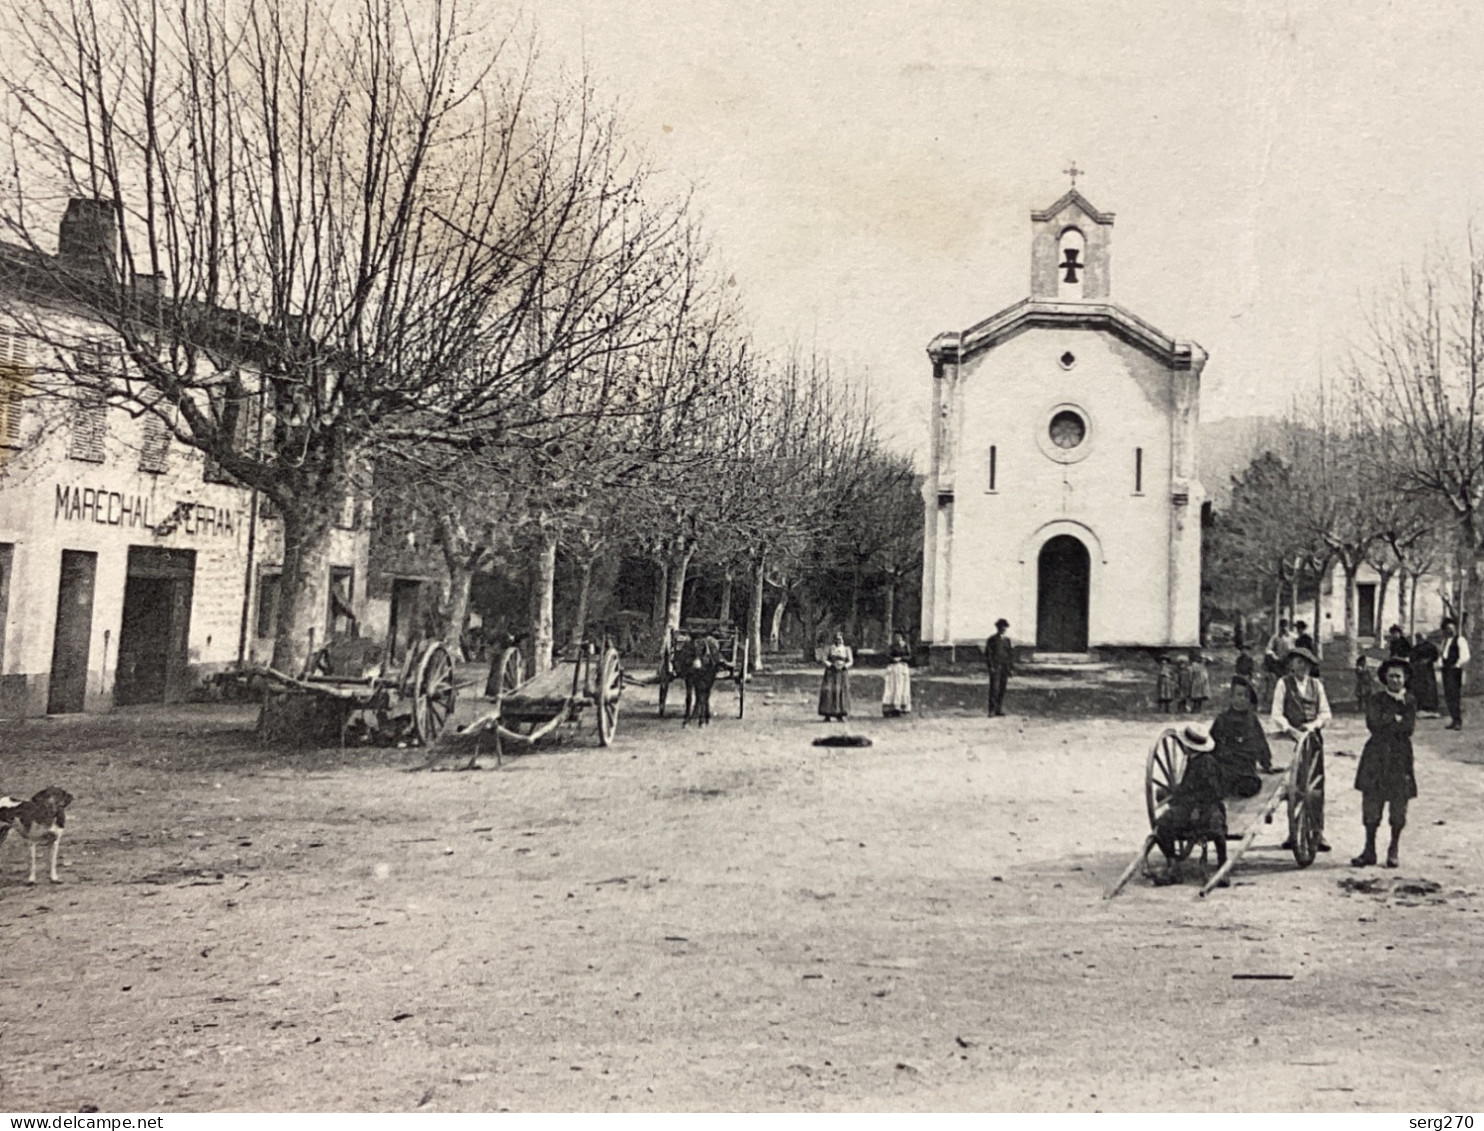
{"x":1071,"y":251}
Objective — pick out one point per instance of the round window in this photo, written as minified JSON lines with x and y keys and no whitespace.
{"x":1067,"y":429}
{"x":1067,"y":433}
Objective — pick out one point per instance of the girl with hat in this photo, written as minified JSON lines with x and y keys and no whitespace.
{"x":1385,"y":777}
{"x":1300,"y":709}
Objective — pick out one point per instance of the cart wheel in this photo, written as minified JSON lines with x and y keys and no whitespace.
{"x":1162,"y":773}
{"x":509,"y":674}
{"x":609,"y":689}
{"x":433,"y":694}
{"x":1305,"y":801}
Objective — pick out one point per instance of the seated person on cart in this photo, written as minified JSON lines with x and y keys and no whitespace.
{"x":1241,"y":745}
{"x":1195,"y":811}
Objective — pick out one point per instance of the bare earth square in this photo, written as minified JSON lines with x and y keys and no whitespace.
{"x":729,"y":919}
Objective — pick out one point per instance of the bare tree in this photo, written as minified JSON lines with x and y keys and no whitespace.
{"x":1422,"y":363}
{"x":357,"y":224}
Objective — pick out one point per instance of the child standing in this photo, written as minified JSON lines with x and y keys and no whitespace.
{"x":1182,"y":681}
{"x":1200,"y":682}
{"x":1167,"y":686}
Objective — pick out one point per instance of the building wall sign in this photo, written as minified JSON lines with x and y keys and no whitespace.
{"x":115,"y":508}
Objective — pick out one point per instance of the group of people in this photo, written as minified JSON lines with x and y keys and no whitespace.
{"x":1184,"y":683}
{"x":1227,"y":760}
{"x":1419,"y":657}
{"x":834,"y":687}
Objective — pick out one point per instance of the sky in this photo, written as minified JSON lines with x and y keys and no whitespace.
{"x":867,"y":170}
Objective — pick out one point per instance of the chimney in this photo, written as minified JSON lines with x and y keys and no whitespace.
{"x":88,"y":242}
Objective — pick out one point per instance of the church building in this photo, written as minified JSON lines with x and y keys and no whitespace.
{"x":1062,"y":494}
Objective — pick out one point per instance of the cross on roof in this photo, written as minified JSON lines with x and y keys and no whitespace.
{"x":1074,"y":173}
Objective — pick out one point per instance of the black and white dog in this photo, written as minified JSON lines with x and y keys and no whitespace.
{"x":41,"y":818}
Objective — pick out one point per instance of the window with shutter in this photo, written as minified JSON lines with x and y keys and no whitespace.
{"x":89,"y":424}
{"x":15,"y":381}
{"x":154,"y":448}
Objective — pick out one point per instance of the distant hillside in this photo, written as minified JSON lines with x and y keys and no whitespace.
{"x":1227,"y":447}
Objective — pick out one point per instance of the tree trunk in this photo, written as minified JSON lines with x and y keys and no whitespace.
{"x":889,"y":614}
{"x":543,"y":599}
{"x":678,"y":567}
{"x":724,"y":613}
{"x":1403,"y":610}
{"x":661,"y":599}
{"x":304,"y":588}
{"x":775,"y":627}
{"x":1318,"y":616}
{"x":1352,"y":603}
{"x":755,"y":616}
{"x":584,"y":600}
{"x":460,"y":580}
{"x":1381,"y":618}
{"x":1293,"y":592}
{"x":853,"y":624}
{"x":1277,"y":601}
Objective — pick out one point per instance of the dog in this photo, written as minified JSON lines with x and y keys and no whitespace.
{"x":42,"y":818}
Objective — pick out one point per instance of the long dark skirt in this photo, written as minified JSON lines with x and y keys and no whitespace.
{"x":1424,"y":685}
{"x":834,"y":692}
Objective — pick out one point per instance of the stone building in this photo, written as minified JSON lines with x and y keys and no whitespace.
{"x":129,"y":569}
{"x":1063,"y":492}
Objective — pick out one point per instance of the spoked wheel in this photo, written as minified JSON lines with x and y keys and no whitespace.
{"x":1162,"y":773}
{"x":509,"y":674}
{"x":433,"y":694}
{"x":1306,"y":800}
{"x":607,"y":694}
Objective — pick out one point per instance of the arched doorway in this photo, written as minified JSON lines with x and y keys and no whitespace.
{"x":1063,"y":571}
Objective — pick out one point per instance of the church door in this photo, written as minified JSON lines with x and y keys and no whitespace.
{"x":1062,"y":575}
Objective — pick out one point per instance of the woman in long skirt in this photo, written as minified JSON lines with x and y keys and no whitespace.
{"x":834,"y":690}
{"x":896,"y":699}
{"x":1424,"y":677}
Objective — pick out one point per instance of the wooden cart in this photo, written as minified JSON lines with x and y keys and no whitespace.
{"x":734,"y":655}
{"x":1300,"y":789}
{"x":528,"y":709}
{"x":423,"y":683}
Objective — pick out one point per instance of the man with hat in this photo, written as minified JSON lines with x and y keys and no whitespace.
{"x":1300,"y":709}
{"x":1195,"y":810}
{"x":998,"y":654}
{"x":1384,"y":776}
{"x":1455,"y":659}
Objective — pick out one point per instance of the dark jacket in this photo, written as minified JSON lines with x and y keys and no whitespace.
{"x":1386,"y":762}
{"x":1241,"y":746}
{"x":998,"y":652}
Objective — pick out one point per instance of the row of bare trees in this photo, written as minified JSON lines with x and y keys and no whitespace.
{"x":1384,"y":466}
{"x":772,"y":479}
{"x":366,"y":248}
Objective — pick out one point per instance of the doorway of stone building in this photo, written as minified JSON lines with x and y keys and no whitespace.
{"x":407,"y":614}
{"x":67,"y":690}
{"x":154,"y":636}
{"x":1063,"y":573}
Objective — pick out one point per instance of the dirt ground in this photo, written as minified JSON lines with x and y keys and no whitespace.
{"x":730,"y":919}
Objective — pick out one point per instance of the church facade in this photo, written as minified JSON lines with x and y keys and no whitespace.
{"x":1063,"y":493}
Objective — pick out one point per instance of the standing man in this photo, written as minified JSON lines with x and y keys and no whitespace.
{"x":998,"y":654}
{"x":1302,"y":639}
{"x":1455,"y":658}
